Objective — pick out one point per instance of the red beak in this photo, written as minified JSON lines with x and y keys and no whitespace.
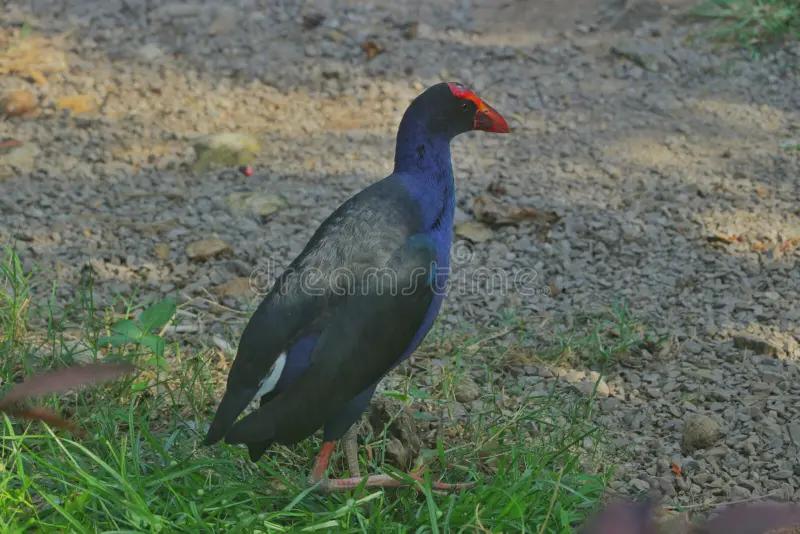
{"x":486,"y":118}
{"x":489,"y":120}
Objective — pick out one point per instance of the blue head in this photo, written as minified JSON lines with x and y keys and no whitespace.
{"x":434,"y":118}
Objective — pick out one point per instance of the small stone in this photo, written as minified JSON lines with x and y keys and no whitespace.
{"x":19,"y":160}
{"x":693,"y":347}
{"x":467,"y":390}
{"x":161,"y":251}
{"x":260,"y":204}
{"x":759,"y":346}
{"x":474,"y":231}
{"x":396,"y":420}
{"x":794,"y":433}
{"x":237,"y":288}
{"x":666,"y":486}
{"x":77,"y":104}
{"x":572,"y":376}
{"x":371,"y":48}
{"x":149,"y":52}
{"x":312,"y":20}
{"x":738,"y":493}
{"x":458,"y":411}
{"x":782,"y":474}
{"x":225,"y":150}
{"x":17,"y":103}
{"x":667,"y":520}
{"x":207,"y":248}
{"x":700,"y":432}
{"x":599,"y":388}
{"x":399,"y":455}
{"x":176,"y":10}
{"x":644,"y":54}
{"x":225,"y":20}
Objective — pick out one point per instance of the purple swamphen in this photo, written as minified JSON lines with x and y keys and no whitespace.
{"x":359,"y":298}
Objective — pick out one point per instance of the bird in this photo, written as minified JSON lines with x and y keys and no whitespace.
{"x":357,"y":301}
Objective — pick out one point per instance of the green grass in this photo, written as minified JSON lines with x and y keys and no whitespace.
{"x":752,"y":23}
{"x":791,"y":146}
{"x":137,"y":465}
{"x":600,"y":340}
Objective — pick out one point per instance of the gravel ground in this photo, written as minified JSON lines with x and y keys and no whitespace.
{"x":645,"y":167}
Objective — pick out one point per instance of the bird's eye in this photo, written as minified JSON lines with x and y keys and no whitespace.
{"x":465,"y":106}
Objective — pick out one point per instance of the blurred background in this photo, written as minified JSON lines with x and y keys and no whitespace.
{"x":652,"y":171}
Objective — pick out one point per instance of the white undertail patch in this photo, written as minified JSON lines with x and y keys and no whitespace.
{"x":269,"y":382}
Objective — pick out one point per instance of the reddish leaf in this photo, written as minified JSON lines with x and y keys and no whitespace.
{"x":676,"y":469}
{"x":40,"y":414}
{"x":623,"y":518}
{"x":639,"y":518}
{"x":10,"y":143}
{"x":790,"y":244}
{"x":64,"y":380}
{"x":754,"y":519}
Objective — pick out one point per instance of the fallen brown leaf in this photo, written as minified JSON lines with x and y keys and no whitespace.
{"x":371,"y":48}
{"x":18,"y":103}
{"x":761,"y":191}
{"x":724,"y":238}
{"x":312,"y":20}
{"x":491,"y":211}
{"x":10,"y":143}
{"x":77,"y":104}
{"x":790,"y":244}
{"x":553,"y":288}
{"x":31,"y":57}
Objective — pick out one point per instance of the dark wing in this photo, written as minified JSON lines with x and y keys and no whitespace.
{"x":272,"y":328}
{"x":361,"y":235}
{"x":365,"y":336}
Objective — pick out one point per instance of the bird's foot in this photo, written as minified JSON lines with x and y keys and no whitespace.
{"x":330,"y":485}
{"x":350,"y":445}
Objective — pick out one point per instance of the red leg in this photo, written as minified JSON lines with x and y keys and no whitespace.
{"x":321,"y":463}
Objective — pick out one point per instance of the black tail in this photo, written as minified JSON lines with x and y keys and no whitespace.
{"x":258,"y":449}
{"x":233,"y":402}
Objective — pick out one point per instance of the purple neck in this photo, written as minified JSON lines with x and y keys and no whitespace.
{"x":422,"y":160}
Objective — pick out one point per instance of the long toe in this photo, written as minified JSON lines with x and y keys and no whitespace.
{"x":328,"y":485}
